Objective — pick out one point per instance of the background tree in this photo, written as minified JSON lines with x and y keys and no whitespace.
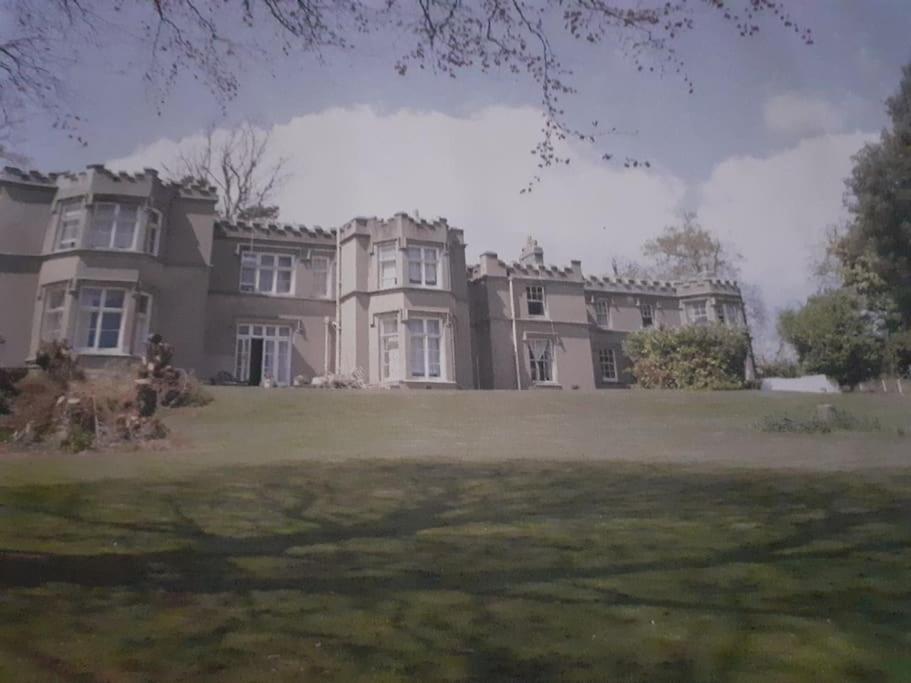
{"x":874,"y":252}
{"x":237,"y":163}
{"x":834,"y":334}
{"x":211,"y":40}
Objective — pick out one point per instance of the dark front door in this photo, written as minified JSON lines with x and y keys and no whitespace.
{"x":256,"y":362}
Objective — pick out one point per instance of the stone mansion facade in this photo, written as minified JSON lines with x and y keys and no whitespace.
{"x":102,"y":259}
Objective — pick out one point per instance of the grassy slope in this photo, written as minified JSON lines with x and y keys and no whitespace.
{"x":273,"y":543}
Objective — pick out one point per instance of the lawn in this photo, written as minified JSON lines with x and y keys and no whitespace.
{"x":623,"y":536}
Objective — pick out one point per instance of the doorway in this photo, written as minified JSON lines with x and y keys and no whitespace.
{"x":256,"y":362}
{"x":263,"y":352}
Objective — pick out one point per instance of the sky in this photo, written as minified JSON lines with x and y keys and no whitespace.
{"x":760,"y":149}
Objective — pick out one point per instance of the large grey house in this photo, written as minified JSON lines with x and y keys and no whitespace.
{"x":101,"y":259}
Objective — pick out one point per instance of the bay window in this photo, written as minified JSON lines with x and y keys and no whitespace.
{"x":54,"y":306}
{"x":100,"y":319}
{"x":696,"y":312}
{"x":540,"y":360}
{"x":425,"y":348}
{"x":387,"y":266}
{"x":423,"y":266}
{"x":266,"y":273}
{"x":113,"y":226}
{"x":69,"y":224}
{"x":389,"y":348}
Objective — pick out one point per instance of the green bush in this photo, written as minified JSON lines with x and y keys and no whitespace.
{"x":690,"y":357}
{"x":777,"y":368}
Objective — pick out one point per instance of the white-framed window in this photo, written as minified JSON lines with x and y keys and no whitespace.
{"x":696,"y":312}
{"x":266,"y":273}
{"x":100,"y":319}
{"x":152,"y":231}
{"x":607,"y":360}
{"x":424,"y":266}
{"x":319,"y":265}
{"x":602,"y":312}
{"x":647,"y":311}
{"x":425,"y":348}
{"x":142,"y":319}
{"x":113,"y":226}
{"x":534,"y":296}
{"x":389,"y":348}
{"x":387,"y":268}
{"x":54,"y":308}
{"x":272,"y":350}
{"x":69,"y":224}
{"x":541,"y":360}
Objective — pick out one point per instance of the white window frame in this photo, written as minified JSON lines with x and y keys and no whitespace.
{"x":268,"y":332}
{"x":142,"y":322}
{"x":73,"y":209}
{"x":254,"y":260}
{"x":542,"y":299}
{"x":650,"y":308}
{"x":423,"y":337}
{"x":541,"y":360}
{"x":603,"y":313}
{"x":59,"y":312}
{"x":151,"y":237}
{"x":112,"y":238}
{"x":607,"y":364}
{"x":418,"y":255}
{"x":390,"y":339}
{"x":692,"y":307}
{"x":101,"y":310}
{"x":387,"y":255}
{"x":326,"y":271}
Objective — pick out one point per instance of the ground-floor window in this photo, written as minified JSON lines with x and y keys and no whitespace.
{"x":142,"y":318}
{"x":425,"y":347}
{"x":607,"y":359}
{"x":263,"y":352}
{"x":540,"y":360}
{"x":100,"y":319}
{"x":389,"y":348}
{"x":54,"y":304}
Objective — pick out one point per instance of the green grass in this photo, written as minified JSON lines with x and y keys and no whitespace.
{"x":420,"y":537}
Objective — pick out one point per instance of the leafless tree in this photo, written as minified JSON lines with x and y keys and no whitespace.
{"x":689,"y":250}
{"x":210,"y":40}
{"x":237,"y":162}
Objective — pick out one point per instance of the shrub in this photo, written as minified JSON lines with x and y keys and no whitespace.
{"x":59,"y":362}
{"x":833,"y":334}
{"x":690,"y":357}
{"x":777,"y":368}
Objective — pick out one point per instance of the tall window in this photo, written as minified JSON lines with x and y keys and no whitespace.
{"x":153,"y":231}
{"x":424,"y":337}
{"x":607,"y":359}
{"x":263,"y":352}
{"x":535,"y":298}
{"x":320,"y":268}
{"x":100,"y":318}
{"x":648,"y":315}
{"x":540,"y":360}
{"x":602,"y":312}
{"x":266,"y":273}
{"x":386,"y":266}
{"x":389,"y":348}
{"x":113,"y":226}
{"x":141,"y":320}
{"x":696,"y":312}
{"x":54,"y":303}
{"x":69,"y":223}
{"x":423,"y":266}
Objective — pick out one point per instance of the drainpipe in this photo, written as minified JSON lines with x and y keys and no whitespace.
{"x":338,"y":301}
{"x":327,"y":322}
{"x":515,"y":336}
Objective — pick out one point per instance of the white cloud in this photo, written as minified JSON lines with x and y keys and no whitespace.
{"x":802,"y":115}
{"x":348,"y":162}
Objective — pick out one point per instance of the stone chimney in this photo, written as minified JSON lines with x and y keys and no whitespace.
{"x":532,"y":254}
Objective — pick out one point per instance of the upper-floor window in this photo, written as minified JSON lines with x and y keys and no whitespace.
{"x":153,"y":232}
{"x":648,"y":315}
{"x":113,"y":226}
{"x":386,"y":266}
{"x":423,"y":266}
{"x":696,"y":312}
{"x":535,"y":299}
{"x":540,"y":360}
{"x":100,"y":319}
{"x":319,"y":265}
{"x":69,"y":224}
{"x":54,"y":305}
{"x":607,"y":359}
{"x":425,"y":348}
{"x":602,"y":312}
{"x":266,"y":273}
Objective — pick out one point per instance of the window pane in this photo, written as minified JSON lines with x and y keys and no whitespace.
{"x":257,"y":331}
{"x":90,"y":296}
{"x":113,"y":298}
{"x":55,"y":298}
{"x":266,"y":259}
{"x":265,"y":281}
{"x":283,"y":282}
{"x":430,"y":273}
{"x":243,"y":329}
{"x":284,"y":261}
{"x":248,"y":276}
{"x":109,"y":337}
{"x":88,"y":323}
{"x":414,"y":272}
{"x":248,"y":258}
{"x":433,"y":326}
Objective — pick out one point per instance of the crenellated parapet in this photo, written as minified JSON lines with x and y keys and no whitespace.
{"x":275,"y":231}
